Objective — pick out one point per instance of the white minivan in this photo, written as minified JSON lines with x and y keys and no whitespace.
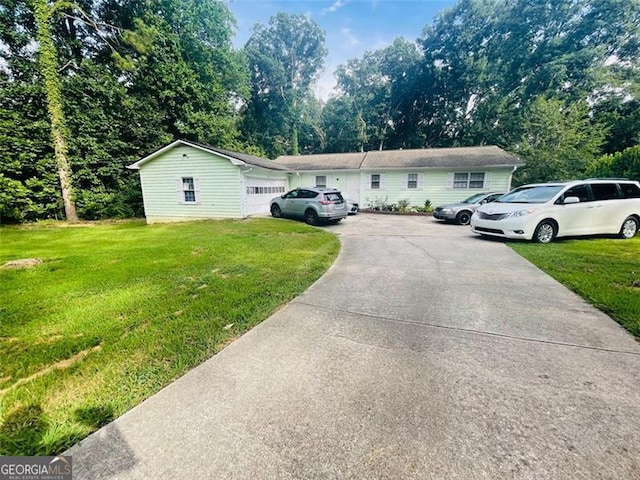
{"x":544,"y":211}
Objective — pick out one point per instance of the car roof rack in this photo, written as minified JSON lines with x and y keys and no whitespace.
{"x":606,"y":178}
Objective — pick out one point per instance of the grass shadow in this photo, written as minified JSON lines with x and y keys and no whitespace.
{"x":22,"y":431}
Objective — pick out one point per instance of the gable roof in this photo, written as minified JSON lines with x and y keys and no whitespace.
{"x":459,"y":157}
{"x":234,"y":157}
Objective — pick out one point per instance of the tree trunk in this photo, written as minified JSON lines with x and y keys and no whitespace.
{"x":294,"y":142}
{"x":49,"y":70}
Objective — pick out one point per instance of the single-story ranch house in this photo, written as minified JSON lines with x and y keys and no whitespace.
{"x":186,"y":180}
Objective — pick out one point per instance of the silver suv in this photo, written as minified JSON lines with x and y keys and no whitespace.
{"x":313,"y":204}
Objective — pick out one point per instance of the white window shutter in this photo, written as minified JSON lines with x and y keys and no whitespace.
{"x":405,"y":185}
{"x":196,"y":186}
{"x":421,"y":180}
{"x":450,"y":180}
{"x":382,"y":181}
{"x":487,"y":180}
{"x":179,"y":190}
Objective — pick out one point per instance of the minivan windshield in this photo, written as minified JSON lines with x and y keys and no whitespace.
{"x":531,"y":194}
{"x":474,"y":198}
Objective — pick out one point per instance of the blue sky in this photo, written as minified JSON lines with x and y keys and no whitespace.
{"x":351,"y":26}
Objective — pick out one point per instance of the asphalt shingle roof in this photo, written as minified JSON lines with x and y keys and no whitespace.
{"x":460,"y":157}
{"x":491,"y":156}
{"x":242,"y":157}
{"x":246,"y":158}
{"x":323,"y":161}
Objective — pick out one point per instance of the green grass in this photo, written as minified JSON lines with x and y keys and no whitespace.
{"x":600,"y":270}
{"x":117,"y":311}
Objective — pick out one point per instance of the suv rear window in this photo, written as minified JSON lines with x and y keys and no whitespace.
{"x":630,"y":190}
{"x":334,"y":197}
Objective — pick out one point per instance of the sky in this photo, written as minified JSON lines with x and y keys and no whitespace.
{"x":352,"y":27}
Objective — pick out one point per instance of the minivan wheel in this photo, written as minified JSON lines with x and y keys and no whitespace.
{"x":311,"y":217}
{"x":275,"y":211}
{"x":463,"y":218}
{"x":545,"y":232}
{"x":629,"y":228}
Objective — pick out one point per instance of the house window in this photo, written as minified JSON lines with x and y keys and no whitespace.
{"x":375,"y":181}
{"x":476,"y":180}
{"x":188,"y":190}
{"x":254,"y":190}
{"x":321,"y":181}
{"x":412,"y":180}
{"x":468,"y":180}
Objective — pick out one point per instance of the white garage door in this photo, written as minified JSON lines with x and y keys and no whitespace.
{"x":259,"y":191}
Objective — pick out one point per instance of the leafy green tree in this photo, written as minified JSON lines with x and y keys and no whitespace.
{"x":379,"y":87}
{"x":48,"y":60}
{"x":559,"y":141}
{"x":180,"y":61}
{"x":285,"y":58}
{"x":485,"y":61}
{"x":30,"y":185}
{"x":624,"y":164}
{"x":621,"y":118}
{"x":343,"y":125}
{"x":133,"y":75}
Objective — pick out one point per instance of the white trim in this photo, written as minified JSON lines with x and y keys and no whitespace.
{"x":181,"y":190}
{"x":405,"y":185}
{"x":331,"y":171}
{"x":157,"y":153}
{"x":196,"y":189}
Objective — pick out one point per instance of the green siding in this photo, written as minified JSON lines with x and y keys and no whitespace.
{"x":335,"y":179}
{"x":434,"y":186}
{"x":219,"y":186}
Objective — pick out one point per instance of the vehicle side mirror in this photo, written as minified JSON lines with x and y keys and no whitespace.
{"x":483,"y":202}
{"x":570,"y":200}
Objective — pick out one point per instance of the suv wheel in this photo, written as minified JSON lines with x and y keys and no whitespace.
{"x":275,"y":211}
{"x":629,"y":228}
{"x":545,"y":232}
{"x":311,"y":217}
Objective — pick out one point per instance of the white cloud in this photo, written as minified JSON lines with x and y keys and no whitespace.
{"x":349,"y":38}
{"x":325,"y":86}
{"x":333,"y":8}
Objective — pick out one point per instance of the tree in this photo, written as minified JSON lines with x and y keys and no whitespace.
{"x":624,"y":164}
{"x":133,"y":75}
{"x":486,"y":61}
{"x":559,"y":142}
{"x":343,"y":125}
{"x":48,"y":60}
{"x":285,"y":58}
{"x":621,"y":118}
{"x":379,"y":87}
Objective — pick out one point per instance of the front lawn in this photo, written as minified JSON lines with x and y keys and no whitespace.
{"x":118,"y":311}
{"x":606,"y":272}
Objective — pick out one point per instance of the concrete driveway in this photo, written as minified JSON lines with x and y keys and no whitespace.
{"x":423,"y":353}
